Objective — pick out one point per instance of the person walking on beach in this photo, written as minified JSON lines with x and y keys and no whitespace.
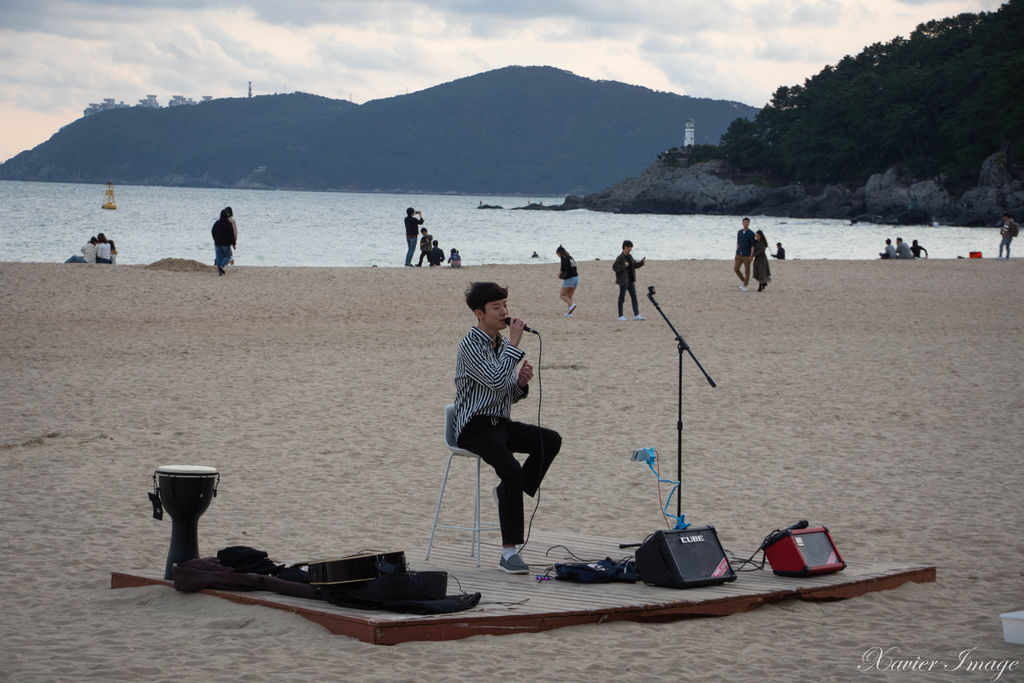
{"x":1007,"y":232}
{"x":744,"y":254}
{"x":486,"y":385}
{"x":570,"y":278}
{"x":625,"y":277}
{"x":234,"y":229}
{"x":231,"y":219}
{"x":426,"y":242}
{"x":412,"y":224}
{"x":916,"y":250}
{"x":223,"y":239}
{"x":762,"y":272}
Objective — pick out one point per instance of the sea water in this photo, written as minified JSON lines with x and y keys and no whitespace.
{"x":48,"y":222}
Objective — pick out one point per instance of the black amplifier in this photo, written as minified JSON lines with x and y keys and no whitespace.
{"x":683,"y":558}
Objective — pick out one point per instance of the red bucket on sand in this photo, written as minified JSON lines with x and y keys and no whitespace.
{"x":974,"y":254}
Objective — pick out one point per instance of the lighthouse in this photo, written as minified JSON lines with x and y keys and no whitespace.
{"x":688,"y":134}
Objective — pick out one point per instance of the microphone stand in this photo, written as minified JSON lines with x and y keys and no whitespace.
{"x":682,"y":346}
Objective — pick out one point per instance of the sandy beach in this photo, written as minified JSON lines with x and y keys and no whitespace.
{"x":881,"y":399}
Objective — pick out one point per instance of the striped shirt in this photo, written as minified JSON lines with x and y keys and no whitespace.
{"x":486,"y":380}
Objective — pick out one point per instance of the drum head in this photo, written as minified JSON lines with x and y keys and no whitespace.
{"x":186,"y":470}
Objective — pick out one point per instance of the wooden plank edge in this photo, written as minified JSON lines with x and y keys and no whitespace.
{"x":338,"y":624}
{"x":449,"y":627}
{"x":456,"y":628}
{"x":858,"y":587}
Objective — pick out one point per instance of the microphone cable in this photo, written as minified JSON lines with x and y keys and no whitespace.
{"x":540,"y":437}
{"x":772,"y":538}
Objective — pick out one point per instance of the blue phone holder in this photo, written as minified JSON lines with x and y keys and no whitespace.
{"x":650,"y":456}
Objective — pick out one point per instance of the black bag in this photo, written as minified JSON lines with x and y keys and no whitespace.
{"x":601,"y":571}
{"x":411,"y":592}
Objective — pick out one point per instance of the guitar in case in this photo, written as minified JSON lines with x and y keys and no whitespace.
{"x":355,"y":568}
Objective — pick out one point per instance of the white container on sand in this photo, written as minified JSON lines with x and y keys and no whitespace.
{"x":1013,"y":626}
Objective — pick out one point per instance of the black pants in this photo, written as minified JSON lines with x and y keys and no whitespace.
{"x":631,"y":288}
{"x":495,"y":444}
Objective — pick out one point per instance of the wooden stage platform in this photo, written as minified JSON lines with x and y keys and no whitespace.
{"x":522,"y":604}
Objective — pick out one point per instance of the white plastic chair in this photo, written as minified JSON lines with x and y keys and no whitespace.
{"x":449,"y":440}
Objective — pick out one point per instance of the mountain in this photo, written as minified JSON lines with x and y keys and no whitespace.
{"x":516,"y":130}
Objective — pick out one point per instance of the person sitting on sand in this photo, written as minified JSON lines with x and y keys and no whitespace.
{"x":916,"y":250}
{"x":436,"y":256}
{"x":890,"y":251}
{"x":455,"y":261}
{"x":102,"y":249}
{"x":88,"y":253}
{"x":903,"y":249}
{"x":780,"y":253}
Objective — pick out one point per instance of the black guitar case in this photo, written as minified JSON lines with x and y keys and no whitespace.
{"x":409,"y":592}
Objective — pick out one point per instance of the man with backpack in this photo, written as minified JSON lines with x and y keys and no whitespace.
{"x":1007,"y":232}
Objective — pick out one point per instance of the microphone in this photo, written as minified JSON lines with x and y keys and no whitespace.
{"x":526,"y":328}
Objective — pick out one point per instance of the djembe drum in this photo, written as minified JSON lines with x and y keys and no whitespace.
{"x":185,"y":492}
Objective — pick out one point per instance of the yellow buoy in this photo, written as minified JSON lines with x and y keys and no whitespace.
{"x":109,"y":195}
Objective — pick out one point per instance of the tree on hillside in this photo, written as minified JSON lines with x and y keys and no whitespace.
{"x":937,"y":103}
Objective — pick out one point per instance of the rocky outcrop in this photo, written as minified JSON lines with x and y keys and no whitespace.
{"x":997,"y":187}
{"x":712,"y":187}
{"x":664,"y":188}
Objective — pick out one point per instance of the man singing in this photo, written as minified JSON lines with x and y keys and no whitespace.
{"x":486,"y":385}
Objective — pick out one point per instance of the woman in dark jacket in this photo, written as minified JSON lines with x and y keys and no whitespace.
{"x":570,"y":278}
{"x":223,"y":239}
{"x":762,"y":273}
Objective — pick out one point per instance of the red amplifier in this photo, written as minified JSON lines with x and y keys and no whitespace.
{"x":804,"y":552}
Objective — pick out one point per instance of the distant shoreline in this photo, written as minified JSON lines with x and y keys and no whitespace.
{"x":192,"y":265}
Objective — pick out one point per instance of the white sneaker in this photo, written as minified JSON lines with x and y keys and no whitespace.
{"x":623,"y":318}
{"x":743,"y":288}
{"x":572,"y":308}
{"x":568,"y":315}
{"x":638,"y":317}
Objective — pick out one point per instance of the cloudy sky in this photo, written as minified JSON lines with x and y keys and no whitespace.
{"x":60,"y":55}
